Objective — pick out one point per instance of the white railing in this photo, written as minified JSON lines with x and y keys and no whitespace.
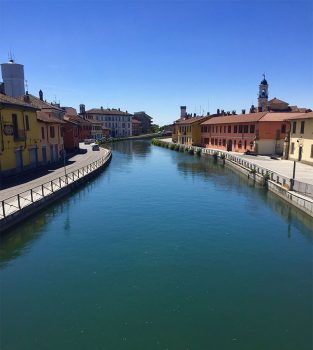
{"x":17,"y":202}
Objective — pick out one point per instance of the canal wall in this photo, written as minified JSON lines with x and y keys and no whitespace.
{"x":22,"y":206}
{"x":280,"y":185}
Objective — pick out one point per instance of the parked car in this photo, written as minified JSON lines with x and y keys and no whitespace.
{"x":95,"y":147}
{"x":88,"y":141}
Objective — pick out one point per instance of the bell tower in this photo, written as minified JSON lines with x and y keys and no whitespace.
{"x":263,"y":95}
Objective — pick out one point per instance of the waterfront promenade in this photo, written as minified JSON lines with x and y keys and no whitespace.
{"x":76,"y":162}
{"x":304,"y":172}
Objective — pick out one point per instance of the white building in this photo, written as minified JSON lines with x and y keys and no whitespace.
{"x":118,"y":122}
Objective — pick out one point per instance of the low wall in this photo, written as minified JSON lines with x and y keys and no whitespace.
{"x":18,"y":216}
{"x":278,"y":184}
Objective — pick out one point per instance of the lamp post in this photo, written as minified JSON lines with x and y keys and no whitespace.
{"x":299,"y":141}
{"x":64,"y":163}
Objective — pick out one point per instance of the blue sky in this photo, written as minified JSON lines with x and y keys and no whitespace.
{"x":158,"y":55}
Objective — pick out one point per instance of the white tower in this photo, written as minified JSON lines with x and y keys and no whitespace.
{"x":13,"y":78}
{"x":263,"y":95}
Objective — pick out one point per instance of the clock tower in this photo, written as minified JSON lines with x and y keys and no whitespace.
{"x":263,"y":95}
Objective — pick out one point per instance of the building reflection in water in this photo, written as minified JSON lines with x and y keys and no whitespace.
{"x":209,"y":170}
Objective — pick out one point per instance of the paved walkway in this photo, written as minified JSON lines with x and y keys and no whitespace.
{"x":79,"y":161}
{"x":304,"y":172}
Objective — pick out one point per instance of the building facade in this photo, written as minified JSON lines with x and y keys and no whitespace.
{"x":118,"y":122}
{"x":19,"y":136}
{"x":301,"y":138}
{"x":145,"y":120}
{"x":261,"y":133}
{"x":189,"y":130}
{"x":136,"y":127}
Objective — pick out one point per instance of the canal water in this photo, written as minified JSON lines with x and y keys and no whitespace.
{"x":163,"y":250}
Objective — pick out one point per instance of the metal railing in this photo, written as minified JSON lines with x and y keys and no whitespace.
{"x":286,"y":182}
{"x":17,"y":202}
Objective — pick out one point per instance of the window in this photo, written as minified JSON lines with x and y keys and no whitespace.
{"x":224,"y":129}
{"x":292,"y":151}
{"x":283,"y":128}
{"x":224,"y":142}
{"x":311,"y":151}
{"x":294,"y":127}
{"x":235,"y":129}
{"x":15,"y":125}
{"x":26,"y":122}
{"x":302,"y":127}
{"x":239,"y":144}
{"x":252,"y":129}
{"x":52,"y":133}
{"x":220,"y":129}
{"x":229,"y":129}
{"x":245,"y":129}
{"x":245,"y":146}
{"x":240,"y":129}
{"x":42,"y":132}
{"x":234,"y":144}
{"x":216,"y":142}
{"x":251,"y":146}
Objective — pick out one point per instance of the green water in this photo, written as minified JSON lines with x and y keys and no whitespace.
{"x":162,"y":251}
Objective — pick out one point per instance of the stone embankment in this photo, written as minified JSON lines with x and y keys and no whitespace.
{"x":296,"y":192}
{"x":22,"y":201}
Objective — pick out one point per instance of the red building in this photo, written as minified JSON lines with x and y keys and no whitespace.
{"x":262,"y":132}
{"x":105,"y":132}
{"x":136,"y":127}
{"x":71,"y":134}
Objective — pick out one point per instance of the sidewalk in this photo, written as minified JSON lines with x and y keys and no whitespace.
{"x":78,"y":161}
{"x":304,"y":172}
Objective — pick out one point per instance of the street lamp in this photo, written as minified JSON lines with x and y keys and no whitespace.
{"x":64,"y":164}
{"x":300,"y":143}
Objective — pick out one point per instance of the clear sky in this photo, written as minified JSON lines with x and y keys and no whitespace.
{"x":158,"y":55}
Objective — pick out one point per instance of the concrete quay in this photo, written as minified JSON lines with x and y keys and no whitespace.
{"x":279,"y":172}
{"x":21,"y":201}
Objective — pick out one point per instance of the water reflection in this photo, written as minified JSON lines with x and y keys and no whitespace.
{"x":139,"y":148}
{"x":230,"y":179}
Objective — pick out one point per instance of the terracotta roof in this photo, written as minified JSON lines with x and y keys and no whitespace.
{"x":13,"y":101}
{"x":278,"y":116}
{"x":241,"y":118}
{"x":36,"y":102}
{"x":276,"y":100}
{"x":106,"y":111}
{"x":95,"y":122}
{"x":192,"y":120}
{"x":44,"y":117}
{"x":308,"y":115}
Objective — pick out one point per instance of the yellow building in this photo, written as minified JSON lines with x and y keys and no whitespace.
{"x":50,"y":131}
{"x":301,"y":138}
{"x":189,"y":130}
{"x":19,"y":136}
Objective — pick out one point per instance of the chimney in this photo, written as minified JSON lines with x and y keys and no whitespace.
{"x":183,"y":112}
{"x":243,"y":111}
{"x":82,"y":109}
{"x":26,"y":97}
{"x":41,"y":95}
{"x":259,"y":109}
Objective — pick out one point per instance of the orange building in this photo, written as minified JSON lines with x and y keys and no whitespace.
{"x":261,"y":133}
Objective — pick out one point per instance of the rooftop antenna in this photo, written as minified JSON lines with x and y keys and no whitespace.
{"x":208,"y":105}
{"x":10,"y":56}
{"x":26,"y":84}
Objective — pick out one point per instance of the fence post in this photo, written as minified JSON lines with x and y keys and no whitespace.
{"x":18,"y":201}
{"x":31,"y":195}
{"x":51,"y":186}
{"x":42,"y":191}
{"x":3,"y":209}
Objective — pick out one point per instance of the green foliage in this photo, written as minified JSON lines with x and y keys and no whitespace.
{"x":177,"y":148}
{"x":191,"y":151}
{"x":223,"y":156}
{"x":265,"y":179}
{"x":172,"y":146}
{"x":252,"y":171}
{"x":215,"y":156}
{"x":198,"y":152}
